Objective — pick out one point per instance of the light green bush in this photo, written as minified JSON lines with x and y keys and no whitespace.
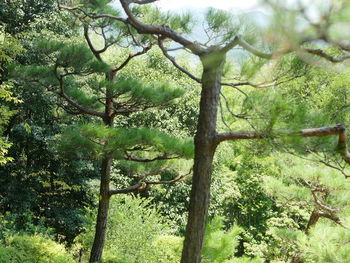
{"x":220,"y":245}
{"x":136,"y":233}
{"x":33,"y":249}
{"x":168,"y":247}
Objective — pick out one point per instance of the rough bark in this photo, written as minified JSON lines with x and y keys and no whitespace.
{"x":104,"y":198}
{"x":102,"y":214}
{"x":205,"y":145}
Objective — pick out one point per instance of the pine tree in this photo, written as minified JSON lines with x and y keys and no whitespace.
{"x":323,"y":194}
{"x":89,"y":85}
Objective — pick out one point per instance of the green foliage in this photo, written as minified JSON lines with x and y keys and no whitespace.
{"x":182,"y":23}
{"x":172,"y":199}
{"x":38,"y":186}
{"x":293,"y":189}
{"x":134,"y":233}
{"x":25,"y":224}
{"x":169,"y":248}
{"x":326,"y":243}
{"x":30,"y":249}
{"x":74,"y":56}
{"x":18,"y":15}
{"x":90,"y":140}
{"x":178,"y":118}
{"x":219,"y":246}
{"x":152,"y":93}
{"x":218,"y":20}
{"x":9,"y":48}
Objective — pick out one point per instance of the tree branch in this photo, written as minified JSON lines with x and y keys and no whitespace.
{"x":321,"y":53}
{"x":172,"y":60}
{"x":245,"y":45}
{"x":131,"y":56}
{"x":91,"y":46}
{"x":81,"y":108}
{"x":159,"y":30}
{"x":128,"y":157}
{"x":142,"y":184}
{"x":93,"y":16}
{"x":338,"y":130}
{"x":72,"y":102}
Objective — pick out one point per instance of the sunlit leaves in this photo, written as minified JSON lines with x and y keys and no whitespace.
{"x":98,"y":139}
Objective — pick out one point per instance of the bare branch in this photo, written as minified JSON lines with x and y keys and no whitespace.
{"x":323,"y":54}
{"x":93,"y":16}
{"x":332,"y":217}
{"x":177,"y":179}
{"x":91,"y":46}
{"x":164,"y":157}
{"x":142,"y":184}
{"x":338,"y":130}
{"x":251,"y":49}
{"x":172,"y":60}
{"x":321,"y":205}
{"x":131,"y":56}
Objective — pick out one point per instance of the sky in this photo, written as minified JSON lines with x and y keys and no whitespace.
{"x":222,"y":4}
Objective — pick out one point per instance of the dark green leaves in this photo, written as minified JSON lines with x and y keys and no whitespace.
{"x":152,"y":94}
{"x":96,"y":140}
{"x":218,"y":20}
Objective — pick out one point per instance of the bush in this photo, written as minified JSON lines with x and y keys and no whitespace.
{"x":33,"y":249}
{"x":220,"y":245}
{"x":133,"y":232}
{"x":168,"y":247}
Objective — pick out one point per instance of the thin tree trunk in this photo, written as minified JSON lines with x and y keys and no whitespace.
{"x":104,"y":198}
{"x":205,"y":145}
{"x":102,"y":214}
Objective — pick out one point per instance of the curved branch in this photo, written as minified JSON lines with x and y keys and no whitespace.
{"x":172,"y":60}
{"x":72,"y":102}
{"x":245,"y":45}
{"x":321,"y":53}
{"x":80,"y":107}
{"x":159,"y":30}
{"x":91,"y":46}
{"x":93,"y":16}
{"x":131,"y":56}
{"x":142,"y":184}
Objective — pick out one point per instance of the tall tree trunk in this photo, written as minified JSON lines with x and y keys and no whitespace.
{"x":102,"y":214}
{"x":103,"y":205}
{"x":205,"y":146}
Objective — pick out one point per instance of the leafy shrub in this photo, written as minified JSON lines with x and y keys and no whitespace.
{"x":134,"y":231}
{"x":168,"y":247}
{"x":220,"y":245}
{"x":33,"y":249}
